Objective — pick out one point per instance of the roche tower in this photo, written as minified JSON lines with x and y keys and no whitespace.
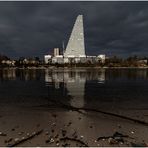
{"x":76,"y":46}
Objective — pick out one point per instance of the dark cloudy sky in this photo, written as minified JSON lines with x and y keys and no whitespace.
{"x":35,"y":28}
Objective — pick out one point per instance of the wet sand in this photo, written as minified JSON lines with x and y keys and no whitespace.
{"x":17,"y":123}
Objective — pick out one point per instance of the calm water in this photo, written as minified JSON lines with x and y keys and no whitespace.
{"x":99,"y":88}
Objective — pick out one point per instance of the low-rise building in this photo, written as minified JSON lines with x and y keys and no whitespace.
{"x":58,"y":59}
{"x":8,"y":62}
{"x":101,"y":58}
{"x":47,"y":59}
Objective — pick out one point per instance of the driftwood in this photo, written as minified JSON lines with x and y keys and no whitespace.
{"x":114,"y":136}
{"x":73,"y":139}
{"x":116,"y":115}
{"x":69,"y":107}
{"x":25,"y":139}
{"x":99,"y":111}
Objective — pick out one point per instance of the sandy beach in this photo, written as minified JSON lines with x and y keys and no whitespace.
{"x":18,"y":123}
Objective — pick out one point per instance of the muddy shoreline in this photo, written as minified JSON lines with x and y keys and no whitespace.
{"x":62,"y":127}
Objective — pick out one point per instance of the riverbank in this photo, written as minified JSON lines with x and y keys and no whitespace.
{"x":62,"y":127}
{"x":54,"y":67}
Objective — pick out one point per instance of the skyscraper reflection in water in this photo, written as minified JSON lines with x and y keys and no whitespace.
{"x":73,"y":82}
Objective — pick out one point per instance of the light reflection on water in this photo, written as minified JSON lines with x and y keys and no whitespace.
{"x":101,"y":88}
{"x":74,"y":82}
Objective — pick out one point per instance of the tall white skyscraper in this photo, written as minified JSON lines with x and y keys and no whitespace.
{"x":76,"y":46}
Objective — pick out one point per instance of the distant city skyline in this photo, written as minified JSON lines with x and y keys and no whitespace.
{"x":32,"y":29}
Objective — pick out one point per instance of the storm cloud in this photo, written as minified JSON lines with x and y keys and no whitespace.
{"x":34,"y":28}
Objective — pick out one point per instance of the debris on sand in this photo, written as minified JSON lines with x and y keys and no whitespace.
{"x":73,"y":139}
{"x":20,"y":133}
{"x":9,"y":140}
{"x":81,"y":136}
{"x":112,"y":141}
{"x":57,"y":144}
{"x":116,"y":138}
{"x":50,"y":140}
{"x":16,"y":139}
{"x":2,"y":134}
{"x":19,"y":141}
{"x":53,"y":124}
{"x":132,"y":132}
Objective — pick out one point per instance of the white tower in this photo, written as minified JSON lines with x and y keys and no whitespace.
{"x":56,"y":52}
{"x":75,"y":46}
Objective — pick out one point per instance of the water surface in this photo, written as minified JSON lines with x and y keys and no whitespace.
{"x":96,"y":88}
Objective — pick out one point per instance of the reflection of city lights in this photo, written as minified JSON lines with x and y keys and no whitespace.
{"x":73,"y":76}
{"x":8,"y":74}
{"x":74,"y":82}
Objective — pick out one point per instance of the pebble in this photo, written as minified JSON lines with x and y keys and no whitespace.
{"x":16,"y":139}
{"x":51,"y":140}
{"x":81,"y":136}
{"x":20,"y":133}
{"x":23,"y":137}
{"x":28,"y":134}
{"x":57,"y":142}
{"x":132,"y":132}
{"x":53,"y":124}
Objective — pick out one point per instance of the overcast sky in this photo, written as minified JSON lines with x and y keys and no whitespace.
{"x":34,"y":28}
